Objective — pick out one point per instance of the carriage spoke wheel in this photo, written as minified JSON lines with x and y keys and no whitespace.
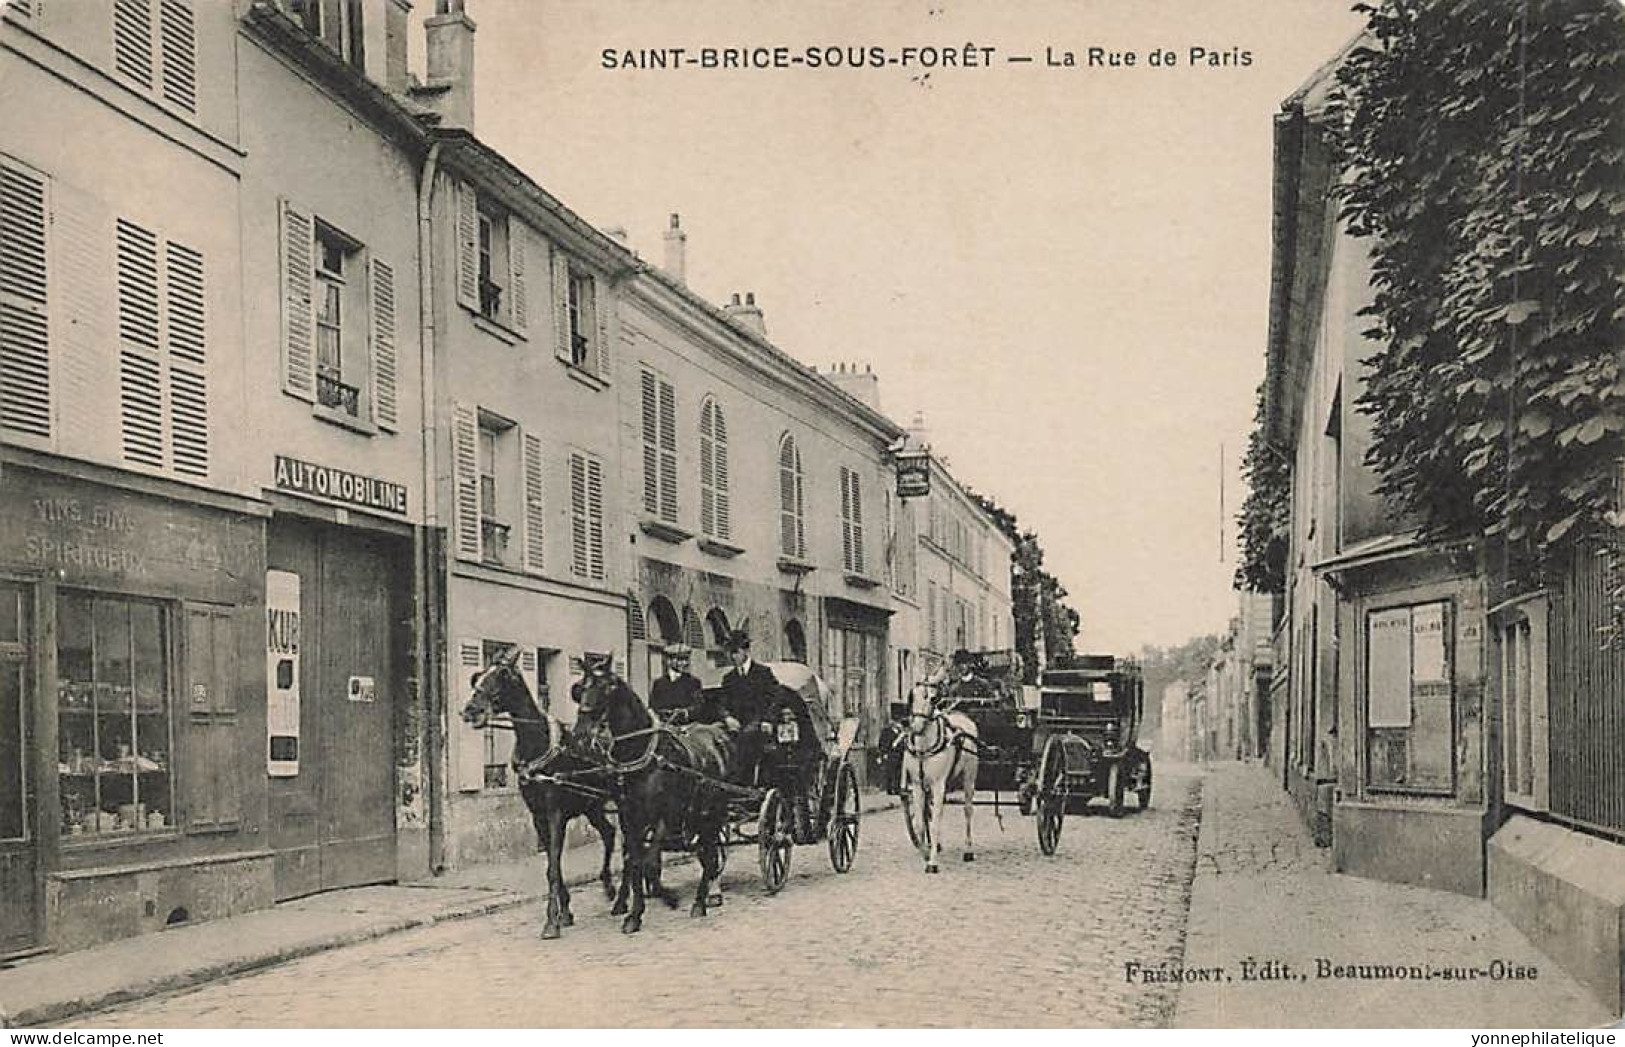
{"x":1114,"y":789}
{"x":775,"y":836}
{"x":1050,"y":799}
{"x":843,"y":819}
{"x":913,"y":820}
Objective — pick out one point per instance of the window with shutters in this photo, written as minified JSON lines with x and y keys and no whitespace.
{"x":496,"y":437}
{"x":339,"y":324}
{"x":163,"y":352}
{"x":491,"y":263}
{"x":587,"y":516}
{"x":852,"y":558}
{"x":714,"y":510}
{"x":792,"y":503}
{"x":583,"y":318}
{"x":25,"y":348}
{"x":659,"y":431}
{"x":155,"y":49}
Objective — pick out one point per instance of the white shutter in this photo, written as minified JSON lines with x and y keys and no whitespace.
{"x":857,"y":523}
{"x":186,"y":333}
{"x":595,"y":519}
{"x":25,"y":346}
{"x":708,"y":472}
{"x":535,"y":507}
{"x":385,"y":395}
{"x":846,"y":519}
{"x":468,"y":248}
{"x":177,"y":39}
{"x":465,"y":455}
{"x":787,"y":496}
{"x":603,"y":311}
{"x":468,"y":744}
{"x":132,"y":40}
{"x":719,"y":469}
{"x":141,"y":384}
{"x":561,"y":305}
{"x":651,"y":444}
{"x":298,"y":314}
{"x":517,"y":234}
{"x":578,"y":515}
{"x":668,"y":452}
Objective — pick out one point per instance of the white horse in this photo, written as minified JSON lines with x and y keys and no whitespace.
{"x":939,"y":749}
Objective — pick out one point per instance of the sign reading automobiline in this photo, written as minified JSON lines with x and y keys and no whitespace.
{"x":340,"y":485}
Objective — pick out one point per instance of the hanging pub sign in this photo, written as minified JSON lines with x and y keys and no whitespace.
{"x":913,"y":474}
{"x":281,"y":674}
{"x":340,"y":485}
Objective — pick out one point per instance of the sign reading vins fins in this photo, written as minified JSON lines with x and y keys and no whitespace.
{"x":340,"y":485}
{"x":282,"y":674}
{"x":913,"y":474}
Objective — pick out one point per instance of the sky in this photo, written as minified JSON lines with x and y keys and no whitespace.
{"x":1066,"y":269}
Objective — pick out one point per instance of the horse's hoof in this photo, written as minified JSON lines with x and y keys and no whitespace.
{"x":931,"y":867}
{"x":568,"y":919}
{"x":697,"y":910}
{"x":550,"y":931}
{"x":618,"y":909}
{"x":714,"y":900}
{"x":670,"y":898}
{"x":609,"y":889}
{"x":970,"y":856}
{"x":631,"y":925}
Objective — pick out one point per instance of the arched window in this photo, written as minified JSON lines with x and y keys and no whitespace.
{"x":714,"y":471}
{"x":718,"y":621}
{"x":795,"y":641}
{"x":664,"y":616}
{"x":792,"y":520}
{"x":693,"y":631}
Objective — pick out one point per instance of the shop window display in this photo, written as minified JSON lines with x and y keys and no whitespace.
{"x":113,"y":708}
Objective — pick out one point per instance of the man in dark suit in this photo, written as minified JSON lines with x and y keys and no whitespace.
{"x":750,"y":699}
{"x":675,"y":696}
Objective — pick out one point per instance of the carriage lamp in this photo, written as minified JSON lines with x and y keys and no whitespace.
{"x":1021,"y":720}
{"x":789,"y":731}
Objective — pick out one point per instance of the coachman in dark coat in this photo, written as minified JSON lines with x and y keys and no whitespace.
{"x":676,"y":696}
{"x":750,"y":698}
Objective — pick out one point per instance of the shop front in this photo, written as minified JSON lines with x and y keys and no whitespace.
{"x":854,"y":664}
{"x":130,"y":614}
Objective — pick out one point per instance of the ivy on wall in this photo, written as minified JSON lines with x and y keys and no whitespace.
{"x":1266,"y":515}
{"x":1482,"y":147}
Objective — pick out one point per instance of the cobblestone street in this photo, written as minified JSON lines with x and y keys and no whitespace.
{"x":1014,"y":939}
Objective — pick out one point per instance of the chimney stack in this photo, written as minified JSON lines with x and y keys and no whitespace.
{"x":748,"y":313}
{"x":450,"y":89}
{"x":397,"y":24}
{"x":676,"y":250}
{"x":917,"y":432}
{"x":862,"y":385}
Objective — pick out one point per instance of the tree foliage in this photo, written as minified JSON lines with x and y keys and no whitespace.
{"x":1038,"y":597}
{"x":1482,"y":148}
{"x":1266,"y":516}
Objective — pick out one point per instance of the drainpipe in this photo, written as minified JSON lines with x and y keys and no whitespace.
{"x":430,"y":552}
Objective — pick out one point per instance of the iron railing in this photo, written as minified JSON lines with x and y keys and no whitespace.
{"x":1587,"y":699}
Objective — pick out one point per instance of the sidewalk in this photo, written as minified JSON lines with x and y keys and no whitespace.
{"x":48,"y":990}
{"x":1264,"y":892}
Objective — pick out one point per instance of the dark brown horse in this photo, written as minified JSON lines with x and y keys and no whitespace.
{"x":665,"y":790}
{"x":541,"y":745}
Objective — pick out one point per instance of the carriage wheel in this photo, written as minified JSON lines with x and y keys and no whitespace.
{"x":1114,"y":789}
{"x":774,"y":840}
{"x":1145,"y":790}
{"x":914,"y":820}
{"x":843,"y":819}
{"x":1049,"y":799}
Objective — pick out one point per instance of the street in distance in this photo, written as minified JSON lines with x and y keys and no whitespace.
{"x":967,"y":56}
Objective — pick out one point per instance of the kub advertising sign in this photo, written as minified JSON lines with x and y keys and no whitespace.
{"x":913,"y":475}
{"x":282,"y":674}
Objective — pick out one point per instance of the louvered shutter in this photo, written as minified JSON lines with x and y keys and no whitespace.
{"x":132,"y":40}
{"x":177,"y":48}
{"x":801,"y":509}
{"x":385,"y":394}
{"x":298,"y":314}
{"x":931,"y":616}
{"x":595,"y":519}
{"x":668,"y":452}
{"x":466,"y":481}
{"x":468,"y":743}
{"x":708,"y":472}
{"x":857,"y":523}
{"x":141,"y":383}
{"x":603,"y":311}
{"x":578,"y":516}
{"x":517,"y":235}
{"x":25,"y":344}
{"x":719,"y":468}
{"x":186,"y":332}
{"x":535,"y":507}
{"x":468,"y":248}
{"x":846,"y":519}
{"x":651,"y":445}
{"x":787,"y":496}
{"x":561,"y":305}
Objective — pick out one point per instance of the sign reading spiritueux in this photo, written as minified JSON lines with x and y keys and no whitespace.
{"x":913,"y":474}
{"x":340,"y":485}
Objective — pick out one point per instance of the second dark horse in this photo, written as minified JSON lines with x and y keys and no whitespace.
{"x":498,"y":690}
{"x":669,"y":786}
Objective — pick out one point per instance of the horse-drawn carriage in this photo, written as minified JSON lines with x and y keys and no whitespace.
{"x":1087,"y":741}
